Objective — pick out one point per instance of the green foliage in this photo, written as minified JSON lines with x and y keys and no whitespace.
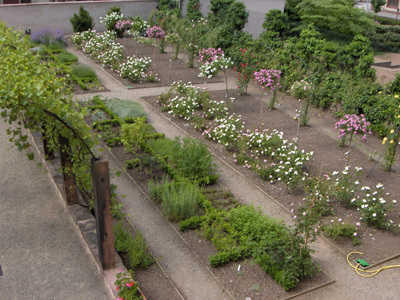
{"x":82,"y":22}
{"x":337,"y":229}
{"x":126,"y":286}
{"x":134,"y":134}
{"x":386,"y":38}
{"x":179,"y":199}
{"x":166,"y":5}
{"x":337,"y":15}
{"x":66,"y":57}
{"x":125,"y":108}
{"x":193,"y":10}
{"x":32,"y":89}
{"x":290,"y":9}
{"x":83,"y":72}
{"x":377,"y":5}
{"x":394,"y":86}
{"x":244,"y":231}
{"x":191,"y":223}
{"x":191,"y":159}
{"x":275,"y":21}
{"x":230,"y":14}
{"x":136,"y":247}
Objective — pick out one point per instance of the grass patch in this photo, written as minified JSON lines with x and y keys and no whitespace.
{"x":66,"y":57}
{"x":83,"y":72}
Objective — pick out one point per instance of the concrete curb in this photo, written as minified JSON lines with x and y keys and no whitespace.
{"x":84,"y":222}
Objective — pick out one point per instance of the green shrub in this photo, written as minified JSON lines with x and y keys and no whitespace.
{"x":337,"y":230}
{"x":179,"y":200}
{"x":82,"y":22}
{"x":136,"y":247}
{"x":83,"y":72}
{"x":193,"y":10}
{"x":134,"y":134}
{"x":191,"y":223}
{"x":125,"y":108}
{"x":67,"y":57}
{"x":191,"y":159}
{"x":245,"y":231}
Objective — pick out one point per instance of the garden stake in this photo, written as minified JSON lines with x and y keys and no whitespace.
{"x":261,"y":109}
{"x":226,"y":86}
{"x":170,"y":61}
{"x":348,"y":150}
{"x":298,"y":121}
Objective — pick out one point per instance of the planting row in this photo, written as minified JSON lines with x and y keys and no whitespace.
{"x":180,"y":173}
{"x":278,"y":160}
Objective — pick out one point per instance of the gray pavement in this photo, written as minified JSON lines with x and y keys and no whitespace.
{"x":41,"y":253}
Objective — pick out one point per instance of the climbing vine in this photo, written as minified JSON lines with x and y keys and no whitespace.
{"x":33,"y":97}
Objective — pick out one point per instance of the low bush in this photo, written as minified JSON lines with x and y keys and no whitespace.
{"x":179,"y":199}
{"x":83,"y":72}
{"x":125,"y":108}
{"x":136,"y":247}
{"x":190,"y":158}
{"x":47,"y":36}
{"x":66,"y":57}
{"x":244,"y":231}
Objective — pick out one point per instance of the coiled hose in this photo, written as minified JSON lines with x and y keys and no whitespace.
{"x":367,"y":273}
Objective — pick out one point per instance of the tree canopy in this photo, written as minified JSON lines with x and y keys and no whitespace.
{"x":337,"y":15}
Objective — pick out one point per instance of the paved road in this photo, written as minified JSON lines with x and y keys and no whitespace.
{"x":41,"y":254}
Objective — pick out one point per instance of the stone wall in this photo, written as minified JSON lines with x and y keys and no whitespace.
{"x":57,"y":14}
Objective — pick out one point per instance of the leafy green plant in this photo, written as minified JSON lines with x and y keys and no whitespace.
{"x":126,"y":286}
{"x":243,"y":231}
{"x":135,"y":247}
{"x":125,"y":108}
{"x":373,"y":206}
{"x":191,"y":159}
{"x":344,"y":184}
{"x":134,"y":134}
{"x":82,"y":22}
{"x":32,"y":89}
{"x":193,"y":10}
{"x":83,"y":72}
{"x":179,"y":199}
{"x":67,"y":57}
{"x":338,"y":228}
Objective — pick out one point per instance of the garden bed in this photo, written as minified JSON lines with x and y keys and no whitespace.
{"x":167,"y":68}
{"x":377,"y":245}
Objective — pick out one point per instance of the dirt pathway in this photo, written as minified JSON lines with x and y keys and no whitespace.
{"x":180,"y":264}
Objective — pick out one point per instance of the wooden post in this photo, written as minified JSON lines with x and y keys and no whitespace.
{"x":69,"y":180}
{"x":102,"y":198}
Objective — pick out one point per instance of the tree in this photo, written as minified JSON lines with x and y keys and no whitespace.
{"x":337,"y":15}
{"x":377,"y":5}
{"x":193,"y":10}
{"x":290,"y":9}
{"x":82,"y":22}
{"x":277,"y":21}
